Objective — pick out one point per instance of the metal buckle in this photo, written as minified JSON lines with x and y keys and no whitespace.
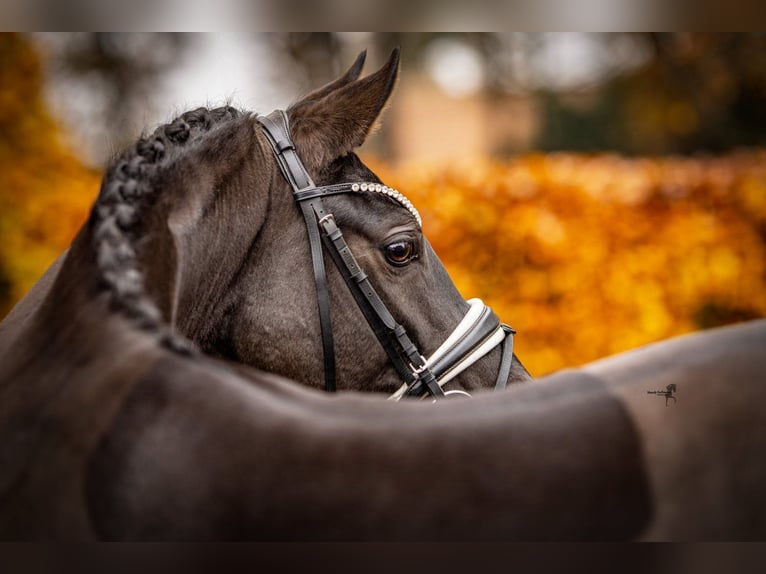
{"x":419,"y":370}
{"x":328,"y":217}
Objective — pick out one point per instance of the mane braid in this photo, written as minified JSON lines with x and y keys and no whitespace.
{"x":126,"y":193}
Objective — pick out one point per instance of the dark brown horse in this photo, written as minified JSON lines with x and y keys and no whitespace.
{"x":134,"y":401}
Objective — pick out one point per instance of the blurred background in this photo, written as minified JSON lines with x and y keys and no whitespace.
{"x":600,"y":191}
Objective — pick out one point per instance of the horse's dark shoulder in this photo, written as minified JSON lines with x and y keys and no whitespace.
{"x":153,"y":474}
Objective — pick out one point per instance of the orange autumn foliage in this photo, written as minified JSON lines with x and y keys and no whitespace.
{"x":45,"y":192}
{"x":587,"y":256}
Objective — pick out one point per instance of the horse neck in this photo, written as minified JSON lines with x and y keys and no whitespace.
{"x":119,"y":281}
{"x":207,"y":205}
{"x":66,"y":319}
{"x":192,"y":225}
{"x":211,"y":233}
{"x":75,"y":346}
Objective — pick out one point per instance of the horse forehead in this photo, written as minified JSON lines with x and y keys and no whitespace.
{"x":373,"y":212}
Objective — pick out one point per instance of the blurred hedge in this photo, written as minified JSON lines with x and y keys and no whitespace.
{"x":587,"y":256}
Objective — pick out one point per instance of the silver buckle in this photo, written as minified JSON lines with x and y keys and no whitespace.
{"x":418,"y":370}
{"x":328,"y":217}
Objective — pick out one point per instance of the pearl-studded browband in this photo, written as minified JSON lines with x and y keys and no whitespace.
{"x":394,"y":194}
{"x":359,"y":187}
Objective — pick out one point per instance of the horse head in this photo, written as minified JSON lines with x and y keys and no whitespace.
{"x":197,"y":236}
{"x":268,"y":314}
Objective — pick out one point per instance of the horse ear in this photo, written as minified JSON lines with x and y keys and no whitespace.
{"x":351,"y":74}
{"x":327,"y":128}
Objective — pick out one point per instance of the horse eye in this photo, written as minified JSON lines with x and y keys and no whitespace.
{"x":400,"y":252}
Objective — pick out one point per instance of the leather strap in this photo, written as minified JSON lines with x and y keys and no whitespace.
{"x":323,"y":293}
{"x":485,"y":327}
{"x":277,"y":132}
{"x":402,"y":352}
{"x":323,"y":191}
{"x":507,"y":358}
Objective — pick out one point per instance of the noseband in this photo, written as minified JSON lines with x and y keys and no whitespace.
{"x":477,"y":334}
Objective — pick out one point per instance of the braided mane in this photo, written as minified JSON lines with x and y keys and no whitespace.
{"x":127,"y":192}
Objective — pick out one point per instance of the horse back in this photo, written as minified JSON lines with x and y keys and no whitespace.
{"x":703,"y":450}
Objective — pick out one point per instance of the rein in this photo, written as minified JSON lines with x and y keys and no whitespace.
{"x":477,"y":334}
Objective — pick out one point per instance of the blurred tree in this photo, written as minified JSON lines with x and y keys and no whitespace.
{"x":45,"y":192}
{"x":626,"y":92}
{"x":696,"y":92}
{"x":633,"y":93}
{"x":105,"y":83}
{"x":316,"y":54}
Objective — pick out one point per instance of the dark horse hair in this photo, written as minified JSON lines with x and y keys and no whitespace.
{"x":127,"y":192}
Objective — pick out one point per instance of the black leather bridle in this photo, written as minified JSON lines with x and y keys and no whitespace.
{"x":478,"y":333}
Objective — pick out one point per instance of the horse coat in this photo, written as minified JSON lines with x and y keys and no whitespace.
{"x":125,"y":415}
